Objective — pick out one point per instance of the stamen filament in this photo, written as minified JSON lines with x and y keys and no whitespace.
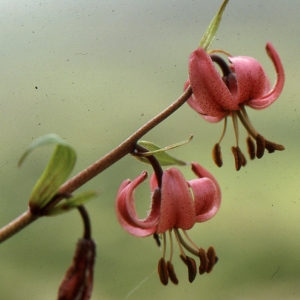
{"x":165,"y":245}
{"x":246,"y":122}
{"x":182,"y":242}
{"x":178,"y":238}
{"x":189,"y":239}
{"x":171,"y":245}
{"x":224,"y":129}
{"x":236,"y":127}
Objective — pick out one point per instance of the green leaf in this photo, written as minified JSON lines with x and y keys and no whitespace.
{"x":212,"y":29}
{"x":160,"y":154}
{"x":71,"y":203}
{"x":56,"y":172}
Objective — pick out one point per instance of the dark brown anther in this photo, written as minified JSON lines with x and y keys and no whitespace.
{"x":243,"y":158}
{"x":163,"y":271}
{"x":251,"y":147}
{"x":260,"y":146}
{"x":239,"y":158}
{"x":156,"y":237}
{"x":172,"y":274}
{"x":192,"y":267}
{"x":212,"y":258}
{"x":203,"y":261}
{"x":271,"y":147}
{"x":217,"y":155}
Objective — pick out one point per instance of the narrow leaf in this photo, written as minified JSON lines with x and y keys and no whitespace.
{"x":70,"y":203}
{"x":164,"y":158}
{"x":56,"y":172}
{"x":212,"y":29}
{"x":47,"y":139}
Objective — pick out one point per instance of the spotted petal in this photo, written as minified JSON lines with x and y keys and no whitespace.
{"x":210,"y":92}
{"x":195,"y":106}
{"x":207,"y":194}
{"x":177,"y":208}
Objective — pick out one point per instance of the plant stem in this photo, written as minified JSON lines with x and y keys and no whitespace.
{"x":87,"y":231}
{"x":16,"y":225}
{"x":100,"y":165}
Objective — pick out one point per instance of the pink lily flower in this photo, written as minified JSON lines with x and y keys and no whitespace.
{"x":176,"y":204}
{"x":244,"y":82}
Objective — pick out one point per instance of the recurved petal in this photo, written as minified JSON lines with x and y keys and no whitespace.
{"x":207,"y":194}
{"x":210,"y":92}
{"x":267,"y":99}
{"x":252,"y":81}
{"x":126,"y":212}
{"x":177,"y":208}
{"x":205,"y":198}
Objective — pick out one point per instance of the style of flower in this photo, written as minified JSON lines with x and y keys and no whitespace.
{"x":176,"y":204}
{"x":244,"y":83}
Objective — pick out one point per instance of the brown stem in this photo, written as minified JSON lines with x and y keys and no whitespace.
{"x":87,"y":232}
{"x":96,"y":168}
{"x":16,"y":225}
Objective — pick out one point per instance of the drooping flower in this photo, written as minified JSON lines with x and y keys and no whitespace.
{"x":176,"y":204}
{"x":243,"y":83}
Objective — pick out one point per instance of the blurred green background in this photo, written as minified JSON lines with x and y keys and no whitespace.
{"x":104,"y":68}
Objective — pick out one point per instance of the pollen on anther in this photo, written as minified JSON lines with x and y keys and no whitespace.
{"x":172,"y":274}
{"x":260,"y":146}
{"x":203,"y":261}
{"x":163,"y":271}
{"x":251,"y":147}
{"x":192,"y":268}
{"x":217,"y":155}
{"x":212,"y":259}
{"x":239,"y":158}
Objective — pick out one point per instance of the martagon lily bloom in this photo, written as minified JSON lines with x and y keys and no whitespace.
{"x":176,"y":204}
{"x":243,"y":83}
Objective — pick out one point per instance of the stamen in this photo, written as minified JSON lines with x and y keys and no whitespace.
{"x":260,"y":146}
{"x":171,"y":246}
{"x":251,"y":147}
{"x":217,"y":155}
{"x":212,"y":258}
{"x":191,"y":264}
{"x":171,"y":272}
{"x":179,"y":238}
{"x":165,"y":245}
{"x":239,"y":158}
{"x":182,"y":242}
{"x":243,"y":116}
{"x":192,"y":268}
{"x":189,"y":239}
{"x":271,"y":147}
{"x":224,"y":130}
{"x":236,"y":127}
{"x":163,"y":271}
{"x":203,"y":261}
